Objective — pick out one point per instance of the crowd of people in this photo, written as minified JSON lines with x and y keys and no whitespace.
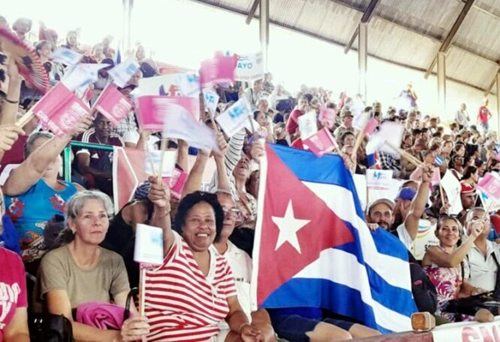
{"x":76,"y":250}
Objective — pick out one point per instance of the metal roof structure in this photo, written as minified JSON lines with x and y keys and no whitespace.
{"x":406,"y":32}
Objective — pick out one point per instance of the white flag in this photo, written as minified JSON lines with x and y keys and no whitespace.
{"x":235,"y":117}
{"x":81,"y":75}
{"x":250,"y":67}
{"x":211,"y":99}
{"x":148,"y":245}
{"x":122,"y":73}
{"x":308,"y":125}
{"x":189,"y":84}
{"x":169,"y":160}
{"x":181,"y":124}
{"x":66,"y":56}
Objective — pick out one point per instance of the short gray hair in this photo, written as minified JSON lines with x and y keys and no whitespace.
{"x":28,"y":146}
{"x":78,"y":201}
{"x":471,"y":212}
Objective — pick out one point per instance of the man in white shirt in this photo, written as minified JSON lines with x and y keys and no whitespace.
{"x":254,"y":93}
{"x":382,"y":211}
{"x":241,"y":265}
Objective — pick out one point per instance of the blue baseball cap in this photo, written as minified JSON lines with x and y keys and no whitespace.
{"x":406,"y":194}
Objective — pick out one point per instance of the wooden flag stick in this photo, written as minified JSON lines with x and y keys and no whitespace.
{"x":25,"y":119}
{"x":163,"y":147}
{"x":361,"y":134}
{"x":405,"y":154}
{"x":441,"y":191}
{"x":487,"y":210}
{"x":150,"y":157}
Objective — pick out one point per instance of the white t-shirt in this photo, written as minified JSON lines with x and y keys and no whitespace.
{"x":405,"y":238}
{"x":480,"y":271}
{"x":133,"y":137}
{"x":241,"y":265}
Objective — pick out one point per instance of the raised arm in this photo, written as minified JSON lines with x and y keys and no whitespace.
{"x":437,"y":256}
{"x":11,"y":102}
{"x":159,"y":195}
{"x":32,"y":169}
{"x":418,"y":204}
{"x":8,"y":136}
{"x":182,"y":155}
{"x":195,"y":177}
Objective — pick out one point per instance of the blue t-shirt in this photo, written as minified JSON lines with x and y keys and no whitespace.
{"x":9,"y":238}
{"x":30,"y":212}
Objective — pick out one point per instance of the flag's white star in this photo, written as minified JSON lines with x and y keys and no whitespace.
{"x":289,"y":226}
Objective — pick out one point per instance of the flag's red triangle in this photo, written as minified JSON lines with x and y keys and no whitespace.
{"x":325,"y":229}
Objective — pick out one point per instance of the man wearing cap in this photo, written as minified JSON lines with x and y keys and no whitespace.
{"x":482,"y":261}
{"x":402,"y":205}
{"x":346,"y":125}
{"x":468,"y":197}
{"x":381,"y":211}
{"x":416,"y":151}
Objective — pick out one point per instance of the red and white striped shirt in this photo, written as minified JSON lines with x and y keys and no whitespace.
{"x":182,"y":304}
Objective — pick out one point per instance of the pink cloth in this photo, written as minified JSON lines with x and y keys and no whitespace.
{"x":100,"y":315}
{"x":13,"y":287}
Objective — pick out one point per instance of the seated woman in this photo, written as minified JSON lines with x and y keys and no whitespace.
{"x":443,"y":263}
{"x":189,"y":295}
{"x":34,"y":192}
{"x":80,"y":271}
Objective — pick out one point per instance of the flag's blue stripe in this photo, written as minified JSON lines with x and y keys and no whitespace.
{"x":383,"y":292}
{"x":328,"y":169}
{"x":337,"y":298}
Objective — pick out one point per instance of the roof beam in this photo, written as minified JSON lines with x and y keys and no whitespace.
{"x":253,"y":9}
{"x":367,"y":15}
{"x":451,"y":35}
{"x":488,"y":90}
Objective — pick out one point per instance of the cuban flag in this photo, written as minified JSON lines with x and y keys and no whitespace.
{"x":313,"y":248}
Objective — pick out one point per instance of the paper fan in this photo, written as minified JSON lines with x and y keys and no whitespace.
{"x":29,"y":64}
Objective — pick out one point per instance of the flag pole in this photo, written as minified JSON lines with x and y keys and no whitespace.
{"x":441,"y":191}
{"x":163,"y":147}
{"x":405,"y":154}
{"x":361,"y":135}
{"x":27,"y":117}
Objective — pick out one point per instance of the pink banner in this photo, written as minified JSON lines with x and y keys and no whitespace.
{"x":176,"y":182}
{"x":490,"y":185}
{"x":372,"y":125}
{"x":60,"y":110}
{"x":113,"y":105}
{"x":153,"y":110}
{"x":219,"y":69}
{"x":327,"y":115}
{"x":320,"y":143}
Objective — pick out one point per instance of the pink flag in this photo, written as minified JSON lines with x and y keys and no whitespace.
{"x":490,"y":185}
{"x":320,"y":143}
{"x":60,"y":110}
{"x":219,"y":69}
{"x":176,"y":182}
{"x":153,"y":110}
{"x":372,"y":125}
{"x":327,"y":116}
{"x":436,"y":177}
{"x":113,"y":105}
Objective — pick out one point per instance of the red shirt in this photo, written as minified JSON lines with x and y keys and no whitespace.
{"x":12,"y":287}
{"x":16,"y":153}
{"x":483,"y":114}
{"x":293,"y":121}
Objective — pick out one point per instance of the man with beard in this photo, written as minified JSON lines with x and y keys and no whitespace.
{"x":381,"y":212}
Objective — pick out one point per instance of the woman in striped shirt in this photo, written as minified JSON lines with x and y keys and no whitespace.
{"x":193,"y":290}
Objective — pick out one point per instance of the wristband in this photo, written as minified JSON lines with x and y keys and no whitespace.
{"x":10,"y":101}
